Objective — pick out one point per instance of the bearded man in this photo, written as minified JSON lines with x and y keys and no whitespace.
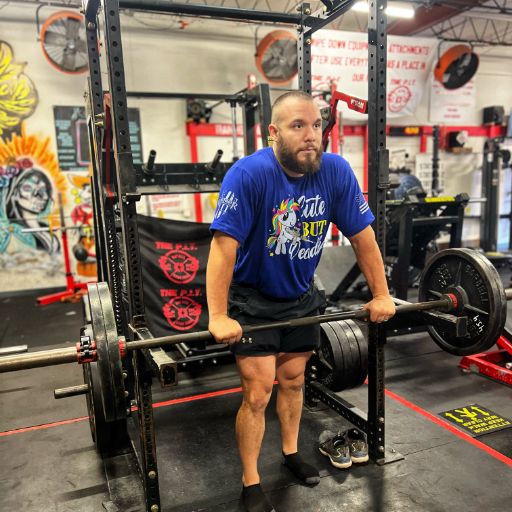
{"x":272,"y":218}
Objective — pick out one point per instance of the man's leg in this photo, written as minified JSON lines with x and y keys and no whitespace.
{"x":290,"y":376}
{"x":257,"y":374}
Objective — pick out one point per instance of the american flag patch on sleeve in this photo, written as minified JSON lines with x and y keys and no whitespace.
{"x":362,"y":204}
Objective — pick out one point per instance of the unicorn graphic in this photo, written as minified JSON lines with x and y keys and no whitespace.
{"x":285,"y":226}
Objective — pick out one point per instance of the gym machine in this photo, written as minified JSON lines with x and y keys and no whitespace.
{"x":412,"y":225}
{"x":494,"y":159}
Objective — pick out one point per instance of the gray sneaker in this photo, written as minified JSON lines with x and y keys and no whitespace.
{"x":335,"y":446}
{"x":357,"y":445}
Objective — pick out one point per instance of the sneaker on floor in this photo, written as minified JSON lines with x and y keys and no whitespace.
{"x":335,"y":446}
{"x":357,"y":445}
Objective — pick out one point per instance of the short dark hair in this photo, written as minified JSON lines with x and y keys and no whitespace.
{"x":284,"y":97}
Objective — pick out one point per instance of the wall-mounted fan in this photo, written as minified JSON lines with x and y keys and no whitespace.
{"x":276,"y":57}
{"x":63,"y":41}
{"x":456,"y":67}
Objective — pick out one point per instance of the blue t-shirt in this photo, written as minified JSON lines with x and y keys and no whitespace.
{"x":281,"y":222}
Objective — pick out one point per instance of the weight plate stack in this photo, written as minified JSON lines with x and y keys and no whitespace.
{"x":342,"y":359}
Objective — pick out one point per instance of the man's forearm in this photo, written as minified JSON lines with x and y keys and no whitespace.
{"x":219,"y":273}
{"x":370,"y":262}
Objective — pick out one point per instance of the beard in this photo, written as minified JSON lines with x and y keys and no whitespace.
{"x":289,"y":159}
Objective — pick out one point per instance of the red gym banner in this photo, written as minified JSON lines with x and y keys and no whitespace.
{"x":173,"y":258}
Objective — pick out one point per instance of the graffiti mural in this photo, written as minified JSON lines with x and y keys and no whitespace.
{"x":30,"y":187}
{"x":84,"y":249}
{"x":18,"y":94}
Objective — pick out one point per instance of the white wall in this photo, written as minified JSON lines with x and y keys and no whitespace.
{"x":206,"y":57}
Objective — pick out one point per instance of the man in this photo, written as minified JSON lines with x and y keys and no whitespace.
{"x":271,"y":221}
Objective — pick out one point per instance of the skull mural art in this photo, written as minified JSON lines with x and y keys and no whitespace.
{"x":30,"y":182}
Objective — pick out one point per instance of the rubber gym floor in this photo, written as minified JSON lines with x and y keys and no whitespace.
{"x":49,"y":463}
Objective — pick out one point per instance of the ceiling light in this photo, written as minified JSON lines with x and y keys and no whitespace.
{"x":395,"y":10}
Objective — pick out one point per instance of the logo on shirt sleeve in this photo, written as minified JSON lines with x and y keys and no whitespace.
{"x":362,"y":204}
{"x":227,"y":201}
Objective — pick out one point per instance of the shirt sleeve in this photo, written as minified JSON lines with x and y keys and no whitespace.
{"x":351,"y":211}
{"x":236,"y":206}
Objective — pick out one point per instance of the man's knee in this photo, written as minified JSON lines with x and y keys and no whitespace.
{"x":292,"y":384}
{"x":257,"y":399}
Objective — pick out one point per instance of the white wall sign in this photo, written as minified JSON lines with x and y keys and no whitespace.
{"x":342,"y":58}
{"x":455,"y":107}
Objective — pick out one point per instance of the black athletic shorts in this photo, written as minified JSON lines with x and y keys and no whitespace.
{"x":248,"y":307}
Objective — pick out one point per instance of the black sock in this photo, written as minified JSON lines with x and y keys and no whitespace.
{"x":302,"y":470}
{"x":255,"y":500}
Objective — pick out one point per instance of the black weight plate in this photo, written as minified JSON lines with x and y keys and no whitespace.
{"x":330,"y":351}
{"x":105,"y":387}
{"x":498,"y":314}
{"x":103,"y":430}
{"x":86,"y":368}
{"x":343,"y":370}
{"x":114,"y":356}
{"x":354,"y":345}
{"x":103,"y":433}
{"x":347,"y":341}
{"x":362,"y":344}
{"x":89,"y":398}
{"x":499,"y":286}
{"x":485,"y":306}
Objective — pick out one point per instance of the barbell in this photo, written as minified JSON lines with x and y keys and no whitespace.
{"x":461,"y":300}
{"x":458,"y":281}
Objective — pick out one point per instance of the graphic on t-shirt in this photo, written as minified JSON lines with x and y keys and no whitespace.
{"x":286,"y":227}
{"x":289,"y":230}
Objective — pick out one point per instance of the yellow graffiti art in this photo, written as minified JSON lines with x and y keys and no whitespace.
{"x":18,"y":95}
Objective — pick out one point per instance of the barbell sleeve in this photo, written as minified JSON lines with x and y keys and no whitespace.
{"x":81,"y":389}
{"x":38,"y":359}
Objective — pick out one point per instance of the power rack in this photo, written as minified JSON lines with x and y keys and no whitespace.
{"x":118,"y":185}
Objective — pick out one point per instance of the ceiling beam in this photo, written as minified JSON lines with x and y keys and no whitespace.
{"x":428,"y":16}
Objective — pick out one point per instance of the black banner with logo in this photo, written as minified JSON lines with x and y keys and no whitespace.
{"x":173,"y":258}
